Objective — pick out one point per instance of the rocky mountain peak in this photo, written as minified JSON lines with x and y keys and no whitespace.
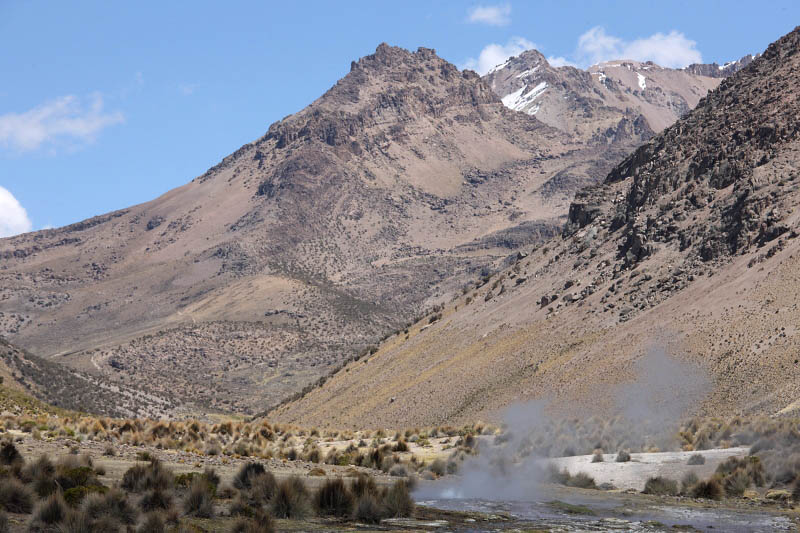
{"x":714,"y":70}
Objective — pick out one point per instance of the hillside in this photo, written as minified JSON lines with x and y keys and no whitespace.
{"x":690,"y":243}
{"x":341,"y":224}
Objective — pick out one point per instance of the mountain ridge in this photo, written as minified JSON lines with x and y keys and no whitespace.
{"x":689,"y":244}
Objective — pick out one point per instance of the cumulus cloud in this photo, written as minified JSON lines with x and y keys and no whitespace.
{"x":672,"y":50}
{"x":498,"y":15}
{"x":64,"y":119}
{"x":13,"y":217}
{"x":495,"y":54}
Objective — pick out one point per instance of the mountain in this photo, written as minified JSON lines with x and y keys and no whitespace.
{"x":689,"y":244}
{"x":609,"y":103}
{"x":303,"y":248}
{"x":714,"y":70}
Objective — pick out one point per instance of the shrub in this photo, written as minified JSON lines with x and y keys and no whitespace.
{"x":9,"y":454}
{"x":263,"y":487}
{"x":362,"y":485}
{"x":597,"y":457}
{"x":244,"y":477}
{"x":152,"y":523}
{"x":623,"y":456}
{"x":554,"y":475}
{"x":77,"y":522}
{"x":15,"y":497}
{"x":291,"y":499}
{"x":334,"y":499}
{"x":400,"y":446}
{"x":76,"y":495}
{"x":112,"y":505}
{"x":438,"y":467}
{"x":581,"y":480}
{"x":736,"y":483}
{"x":661,"y":486}
{"x":368,"y":510}
{"x":109,"y":451}
{"x":696,"y":459}
{"x":709,"y":490}
{"x":155,"y":500}
{"x":4,"y":527}
{"x":240,"y":507}
{"x":261,"y":523}
{"x":199,"y":502}
{"x":688,"y":481}
{"x":79,"y":476}
{"x":140,"y":477}
{"x":398,"y":501}
{"x":398,"y":471}
{"x":51,"y":511}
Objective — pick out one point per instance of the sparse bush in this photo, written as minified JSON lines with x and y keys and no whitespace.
{"x":110,"y":451}
{"x":263,"y":487}
{"x":261,"y":523}
{"x":152,"y":523}
{"x":398,"y":501}
{"x":438,"y":467}
{"x":291,"y":499}
{"x":77,"y":521}
{"x":244,"y":477}
{"x":51,"y":511}
{"x":661,"y":486}
{"x":696,"y":459}
{"x":736,"y":483}
{"x":688,"y":481}
{"x":363,"y":484}
{"x":139,"y":477}
{"x":709,"y":490}
{"x":9,"y":454}
{"x":623,"y":456}
{"x":398,"y":470}
{"x":200,"y":501}
{"x":15,"y":497}
{"x":76,"y":495}
{"x":334,"y":498}
{"x":113,"y":505}
{"x":400,"y":446}
{"x":368,"y":510}
{"x":597,"y":457}
{"x":581,"y":480}
{"x":155,"y":500}
{"x":554,"y":475}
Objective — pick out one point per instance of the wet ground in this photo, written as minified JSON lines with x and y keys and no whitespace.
{"x":566,"y":509}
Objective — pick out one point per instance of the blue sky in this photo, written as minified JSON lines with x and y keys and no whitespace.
{"x":108,"y":104}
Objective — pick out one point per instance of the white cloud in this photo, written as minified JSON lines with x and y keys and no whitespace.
{"x":13,"y":217}
{"x":497,"y":15}
{"x":59,"y":120}
{"x":672,"y":50}
{"x":495,"y":54}
{"x":560,"y":61}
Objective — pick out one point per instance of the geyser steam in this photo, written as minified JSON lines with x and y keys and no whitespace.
{"x":647,"y":414}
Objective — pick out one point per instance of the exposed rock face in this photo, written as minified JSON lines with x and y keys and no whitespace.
{"x":689,"y":243}
{"x":717,"y":165}
{"x":615,"y":102}
{"x":713,"y":70}
{"x":299,"y":250}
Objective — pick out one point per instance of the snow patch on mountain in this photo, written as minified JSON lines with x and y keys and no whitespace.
{"x":519,"y":99}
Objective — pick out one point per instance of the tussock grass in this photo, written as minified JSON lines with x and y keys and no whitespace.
{"x":291,"y":500}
